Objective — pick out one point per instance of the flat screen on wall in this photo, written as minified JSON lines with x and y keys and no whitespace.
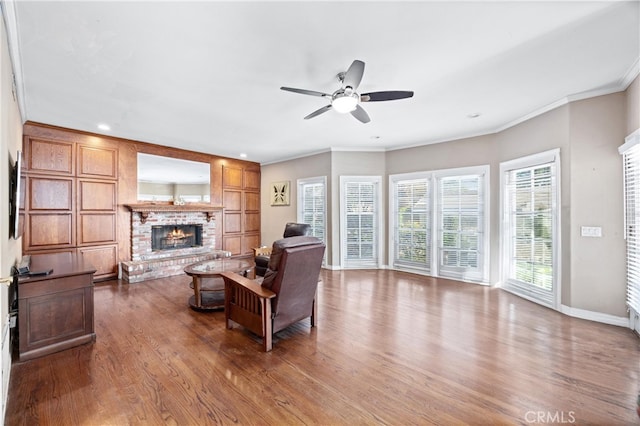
{"x":15,"y":193}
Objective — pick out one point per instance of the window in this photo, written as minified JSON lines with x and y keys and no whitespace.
{"x":312,"y":205}
{"x":444,"y":209}
{"x":631,"y":164}
{"x":413,"y":224}
{"x":360,"y":227}
{"x":461,"y":227}
{"x":530,"y":227}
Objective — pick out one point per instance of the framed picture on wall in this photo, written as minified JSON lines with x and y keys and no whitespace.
{"x":280,"y":193}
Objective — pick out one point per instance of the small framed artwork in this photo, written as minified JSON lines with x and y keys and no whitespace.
{"x":280,"y":193}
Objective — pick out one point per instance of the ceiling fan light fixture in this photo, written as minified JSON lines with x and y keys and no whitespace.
{"x":344,"y":102}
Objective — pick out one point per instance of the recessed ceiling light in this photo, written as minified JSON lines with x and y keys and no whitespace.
{"x":473,"y":115}
{"x":104,"y":127}
{"x":243,"y":155}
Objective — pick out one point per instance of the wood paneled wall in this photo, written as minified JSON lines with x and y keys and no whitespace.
{"x":77,"y":184}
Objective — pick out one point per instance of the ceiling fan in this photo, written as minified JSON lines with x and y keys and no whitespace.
{"x":346,"y":99}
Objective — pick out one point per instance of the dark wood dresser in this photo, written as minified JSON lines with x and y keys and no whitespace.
{"x":55,"y":311}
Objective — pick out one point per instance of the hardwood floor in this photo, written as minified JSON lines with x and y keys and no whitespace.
{"x":390,"y":348}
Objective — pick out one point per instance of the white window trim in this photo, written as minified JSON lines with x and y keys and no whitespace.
{"x":433,"y":175}
{"x":550,"y":156}
{"x":630,"y":142}
{"x":343,"y":224}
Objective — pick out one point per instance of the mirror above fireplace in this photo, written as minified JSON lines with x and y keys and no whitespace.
{"x":166,"y":179}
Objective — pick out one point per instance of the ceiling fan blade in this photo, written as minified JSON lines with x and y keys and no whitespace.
{"x":318,"y":112}
{"x":361,"y":114}
{"x":391,"y":95}
{"x":353,"y":76}
{"x":304,"y":91}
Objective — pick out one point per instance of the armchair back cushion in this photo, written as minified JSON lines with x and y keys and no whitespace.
{"x":294,"y":268}
{"x":292,"y":229}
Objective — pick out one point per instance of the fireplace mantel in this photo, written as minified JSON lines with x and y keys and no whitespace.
{"x":147,"y":208}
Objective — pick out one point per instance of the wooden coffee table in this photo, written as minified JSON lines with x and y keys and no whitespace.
{"x":208,"y":286}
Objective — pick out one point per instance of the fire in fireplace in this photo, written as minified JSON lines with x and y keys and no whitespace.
{"x":171,"y":237}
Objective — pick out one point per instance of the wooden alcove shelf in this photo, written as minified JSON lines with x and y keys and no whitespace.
{"x":146,"y":208}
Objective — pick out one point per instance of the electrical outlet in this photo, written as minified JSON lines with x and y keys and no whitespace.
{"x":591,"y":231}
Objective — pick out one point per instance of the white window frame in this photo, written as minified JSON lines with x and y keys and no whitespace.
{"x":546,"y":157}
{"x":301,"y":183}
{"x":377,"y":262}
{"x":482,"y":275}
{"x":433,"y":176}
{"x":631,"y":232}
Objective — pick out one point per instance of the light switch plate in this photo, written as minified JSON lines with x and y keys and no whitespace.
{"x":591,"y":231}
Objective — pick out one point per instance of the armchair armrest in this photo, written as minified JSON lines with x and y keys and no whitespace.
{"x":249,"y":304}
{"x":233,"y":279}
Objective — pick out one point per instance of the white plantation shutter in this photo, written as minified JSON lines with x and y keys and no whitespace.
{"x":461,"y":220}
{"x":438,"y":222}
{"x":412,"y":215}
{"x":530,"y":227}
{"x":360,"y":205}
{"x":631,"y":162}
{"x":312,"y":205}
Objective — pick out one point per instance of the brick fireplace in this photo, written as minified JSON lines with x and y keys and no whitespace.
{"x":172,"y":252}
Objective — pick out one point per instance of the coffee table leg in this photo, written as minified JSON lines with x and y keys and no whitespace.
{"x":196,"y":289}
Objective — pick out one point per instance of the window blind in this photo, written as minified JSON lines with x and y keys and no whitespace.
{"x":460,"y":233}
{"x":631,"y":165}
{"x":413,"y":224}
{"x":360,"y":238}
{"x":312,"y":207}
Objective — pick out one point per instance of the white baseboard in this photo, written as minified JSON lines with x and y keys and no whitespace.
{"x":595,"y":316}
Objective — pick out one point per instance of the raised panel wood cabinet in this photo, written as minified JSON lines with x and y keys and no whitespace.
{"x":241,"y":215}
{"x":55,"y":311}
{"x":72,"y":196}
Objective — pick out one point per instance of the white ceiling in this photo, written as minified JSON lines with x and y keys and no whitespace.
{"x":206,"y":75}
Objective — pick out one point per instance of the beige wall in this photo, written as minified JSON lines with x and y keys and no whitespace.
{"x":10,"y":143}
{"x":349,"y":163}
{"x":275,"y":217}
{"x":633,"y":106}
{"x":587,"y":133}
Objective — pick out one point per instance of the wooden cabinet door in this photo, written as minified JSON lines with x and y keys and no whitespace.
{"x":252,"y":179}
{"x":94,"y":162}
{"x":96,"y":212}
{"x":46,"y":156}
{"x":103,"y":258}
{"x":231,"y":177}
{"x":49,"y":230}
{"x":49,"y":217}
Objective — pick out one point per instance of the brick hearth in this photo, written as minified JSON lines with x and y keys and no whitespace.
{"x":147,"y":264}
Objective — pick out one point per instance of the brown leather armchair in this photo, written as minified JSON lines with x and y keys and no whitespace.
{"x":261,"y":254}
{"x":286,"y":294}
